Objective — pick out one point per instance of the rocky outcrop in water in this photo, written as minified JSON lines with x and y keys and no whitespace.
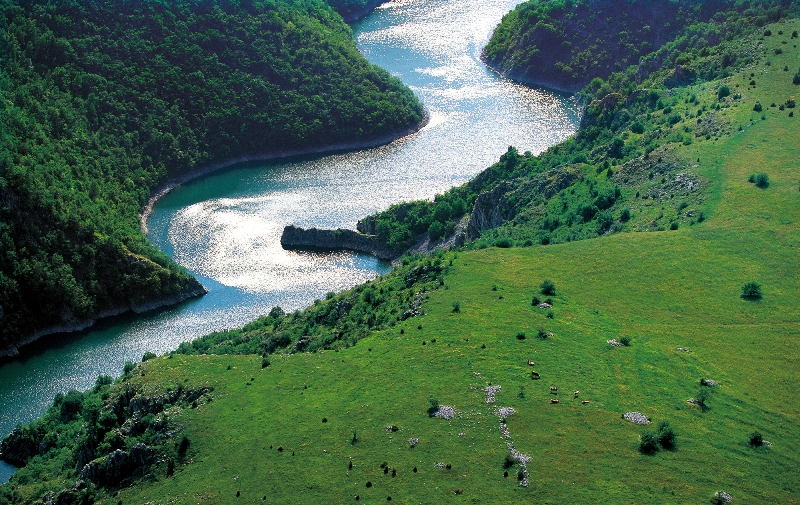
{"x":294,"y":237}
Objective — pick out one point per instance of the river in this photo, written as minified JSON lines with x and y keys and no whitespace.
{"x":225,"y":228}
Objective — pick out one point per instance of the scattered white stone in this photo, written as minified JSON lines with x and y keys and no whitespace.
{"x":490,"y":392}
{"x":439,"y":465}
{"x":636,"y":417}
{"x":445,"y":412}
{"x":683,"y":349}
{"x":461,"y":434}
{"x":545,"y":305}
{"x":413,"y":441}
{"x":521,"y":458}
{"x":724,"y":496}
{"x":709,"y":382}
{"x":766,"y":442}
{"x":476,"y":374}
{"x":613,"y":342}
{"x":504,"y":412}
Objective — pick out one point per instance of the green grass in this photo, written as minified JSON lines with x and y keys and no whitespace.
{"x":664,"y":290}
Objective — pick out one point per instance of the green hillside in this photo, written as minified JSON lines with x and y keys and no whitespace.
{"x":253,"y":416}
{"x":103,"y":101}
{"x":564,"y":44}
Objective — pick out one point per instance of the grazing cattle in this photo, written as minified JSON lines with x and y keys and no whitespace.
{"x":531,"y":363}
{"x":585,"y":402}
{"x":576,"y":393}
{"x":553,"y":400}
{"x":553,"y":388}
{"x":534,"y":374}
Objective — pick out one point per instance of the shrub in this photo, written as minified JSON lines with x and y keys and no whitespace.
{"x":148,"y":355}
{"x":550,"y":314}
{"x":535,"y":301}
{"x":625,"y":215}
{"x":761,"y":179}
{"x":521,"y":335}
{"x":751,"y":291}
{"x":637,"y":127}
{"x":767,"y":32}
{"x":757,"y":107}
{"x":626,"y":341}
{"x":508,"y":462}
{"x":648,"y":443}
{"x":183,"y":446}
{"x":666,"y":436}
{"x":548,"y":288}
{"x":503,"y":243}
{"x":456,"y":307}
{"x":722,"y":92}
{"x":433,"y":406}
{"x":265,"y":362}
{"x":702,"y":397}
{"x":541,"y":333}
{"x":128,"y":368}
{"x":796,"y":78}
{"x":756,"y":440}
{"x":674,"y":225}
{"x":436,"y":230}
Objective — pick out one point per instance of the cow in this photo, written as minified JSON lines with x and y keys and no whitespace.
{"x":585,"y":402}
{"x":576,"y":393}
{"x":531,"y":363}
{"x":534,"y":374}
{"x":553,"y":400}
{"x":553,"y":389}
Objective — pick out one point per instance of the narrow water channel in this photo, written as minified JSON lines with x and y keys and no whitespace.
{"x":226,"y":227}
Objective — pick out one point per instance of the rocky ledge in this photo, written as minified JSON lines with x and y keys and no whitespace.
{"x":294,"y":237}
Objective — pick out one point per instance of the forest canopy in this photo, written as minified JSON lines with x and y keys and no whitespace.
{"x":102,"y":101}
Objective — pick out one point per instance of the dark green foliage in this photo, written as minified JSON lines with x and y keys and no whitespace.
{"x":183,"y":446}
{"x":503,"y":243}
{"x":521,"y":335}
{"x":757,"y":107}
{"x":760,"y":179}
{"x":751,"y":291}
{"x":456,"y":307}
{"x":339,"y":321}
{"x":702,"y":398}
{"x":148,"y":356}
{"x":99,"y":107}
{"x":565,"y":44}
{"x":436,"y":230}
{"x":666,"y":436}
{"x":723,"y":91}
{"x":547,"y":287}
{"x":637,"y":127}
{"x":626,"y":341}
{"x":648,"y":442}
{"x":128,"y":368}
{"x":756,"y":439}
{"x":433,"y":406}
{"x":265,"y":362}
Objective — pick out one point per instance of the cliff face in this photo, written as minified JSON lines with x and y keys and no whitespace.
{"x":294,"y":237}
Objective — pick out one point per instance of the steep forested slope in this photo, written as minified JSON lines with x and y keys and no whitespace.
{"x":564,"y":44}
{"x":103,"y":100}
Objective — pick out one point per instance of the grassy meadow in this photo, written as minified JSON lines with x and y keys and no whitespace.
{"x":312,"y":428}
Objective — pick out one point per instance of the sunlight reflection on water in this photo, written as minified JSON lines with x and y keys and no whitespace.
{"x":226,"y":228}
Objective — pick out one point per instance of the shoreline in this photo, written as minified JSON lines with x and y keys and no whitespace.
{"x":513,"y":76}
{"x":163,"y":189}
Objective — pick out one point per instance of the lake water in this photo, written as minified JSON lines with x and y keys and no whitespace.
{"x":226,"y":227}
